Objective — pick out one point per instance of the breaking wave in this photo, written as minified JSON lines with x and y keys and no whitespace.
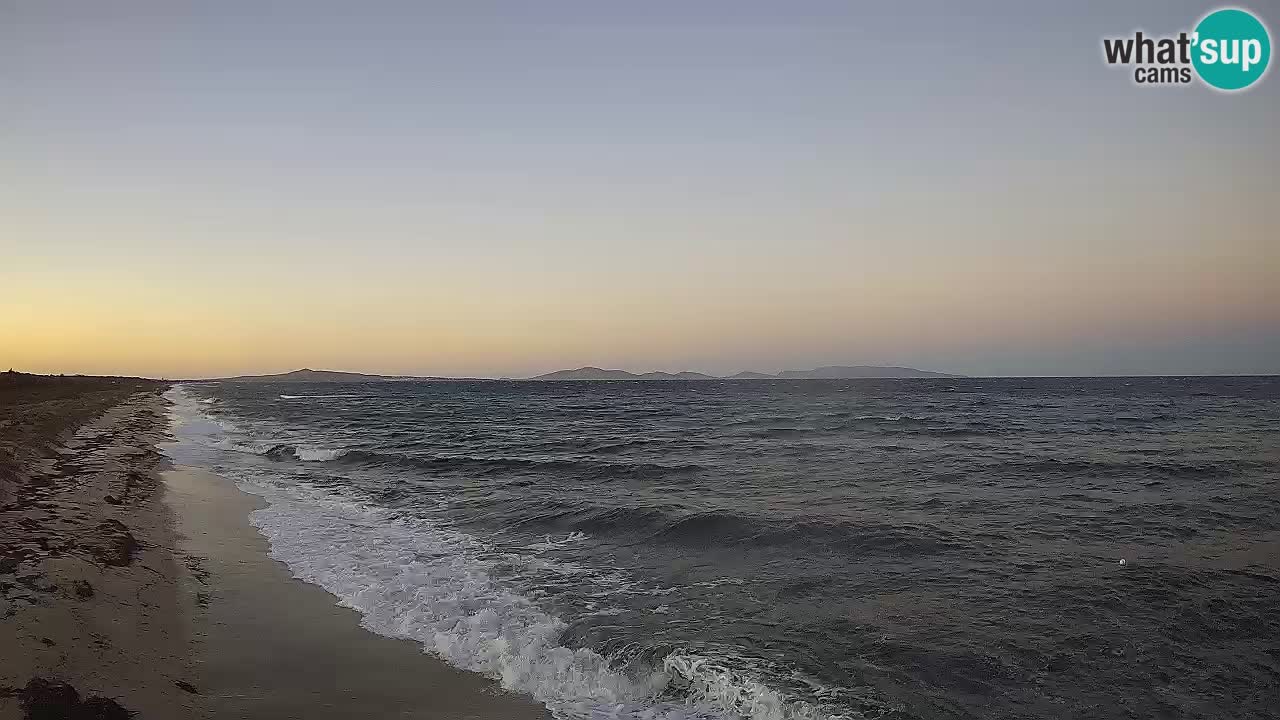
{"x":411,"y":578}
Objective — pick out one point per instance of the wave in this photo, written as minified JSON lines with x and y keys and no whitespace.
{"x":490,"y":465}
{"x":671,"y":524}
{"x":961,"y":432}
{"x":782,"y":432}
{"x":319,"y":454}
{"x":479,"y":465}
{"x":713,"y":681}
{"x":283,"y":451}
{"x":411,"y":578}
{"x":1104,"y":468}
{"x":722,"y":528}
{"x":611,"y":445}
{"x":840,"y":422}
{"x":190,"y":419}
{"x":224,"y":436}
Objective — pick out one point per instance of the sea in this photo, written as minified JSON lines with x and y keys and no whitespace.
{"x":908,"y":549}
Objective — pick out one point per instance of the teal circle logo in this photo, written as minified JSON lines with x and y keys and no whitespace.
{"x":1231,"y":49}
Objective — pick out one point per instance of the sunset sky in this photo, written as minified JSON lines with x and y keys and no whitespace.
{"x":510,"y":188}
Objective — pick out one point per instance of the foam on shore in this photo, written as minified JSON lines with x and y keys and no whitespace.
{"x":411,"y":578}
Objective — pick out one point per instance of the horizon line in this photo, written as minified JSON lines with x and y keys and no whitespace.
{"x":709,"y":377}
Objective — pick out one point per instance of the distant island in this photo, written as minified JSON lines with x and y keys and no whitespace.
{"x":845,"y":372}
{"x":829,"y":372}
{"x":595,"y":373}
{"x":307,"y":375}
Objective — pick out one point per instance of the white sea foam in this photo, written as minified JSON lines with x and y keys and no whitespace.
{"x":193,"y":424}
{"x":555,"y":543}
{"x":318,"y":454}
{"x":411,"y":578}
{"x":716,"y":682}
{"x":281,"y":449}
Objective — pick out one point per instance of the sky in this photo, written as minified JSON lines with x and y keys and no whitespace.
{"x":503,"y":189}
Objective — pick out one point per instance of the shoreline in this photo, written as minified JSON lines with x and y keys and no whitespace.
{"x":276,"y":646}
{"x":131,"y":587}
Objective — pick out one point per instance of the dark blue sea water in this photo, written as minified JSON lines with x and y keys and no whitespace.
{"x":959,"y":548}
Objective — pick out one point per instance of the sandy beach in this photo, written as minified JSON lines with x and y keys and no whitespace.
{"x":130,"y":588}
{"x":90,"y":617}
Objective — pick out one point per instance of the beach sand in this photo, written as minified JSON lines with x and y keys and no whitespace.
{"x":90,"y":624}
{"x":131,"y":588}
{"x":278,"y":647}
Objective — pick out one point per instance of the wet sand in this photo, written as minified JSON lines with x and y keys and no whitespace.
{"x":274,"y":646}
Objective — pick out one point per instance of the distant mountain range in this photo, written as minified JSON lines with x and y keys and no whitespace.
{"x":845,"y":372}
{"x":829,"y":372}
{"x":308,"y":375}
{"x":595,"y":373}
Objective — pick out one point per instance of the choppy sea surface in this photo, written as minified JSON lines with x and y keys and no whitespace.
{"x":956,"y":548}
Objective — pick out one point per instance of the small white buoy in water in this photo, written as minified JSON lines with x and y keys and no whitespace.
{"x":1122,"y":562}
